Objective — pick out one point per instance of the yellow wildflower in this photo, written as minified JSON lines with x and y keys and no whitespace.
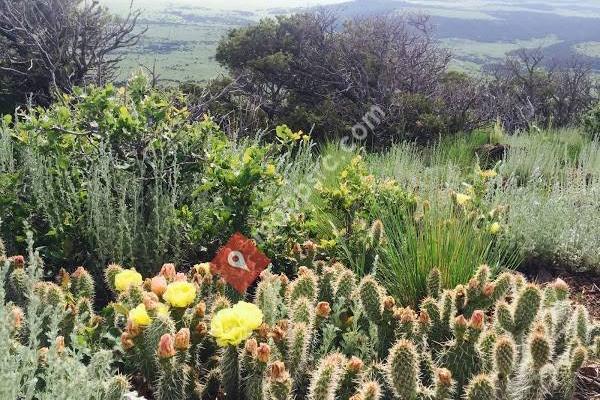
{"x":462,"y":199}
{"x":231,"y":326}
{"x":495,"y":228}
{"x":270,"y":170}
{"x":180,"y":294}
{"x":139,"y":315}
{"x":488,"y":174}
{"x":126,"y":278}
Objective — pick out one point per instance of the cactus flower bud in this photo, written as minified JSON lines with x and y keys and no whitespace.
{"x":60,"y":344}
{"x":473,"y":283}
{"x":424,"y":319}
{"x":168,"y":271}
{"x":182,"y":339}
{"x":201,"y":328}
{"x":488,"y":289}
{"x":477,"y":320}
{"x":263,"y":353}
{"x":166,"y":346}
{"x":263,"y":331}
{"x":17,"y":316}
{"x":79,"y":272}
{"x":303,"y":271}
{"x":126,"y":341}
{"x":460,"y":321}
{"x":562,"y":289}
{"x":389,"y":303}
{"x":251,"y":347}
{"x":201,"y":309}
{"x":444,"y":377}
{"x":277,"y":372}
{"x":150,"y":300}
{"x":180,"y":277}
{"x":323,"y":309}
{"x":132,"y":328}
{"x":310,"y":247}
{"x":296,"y":249}
{"x":355,"y":365}
{"x":18,"y":261}
{"x":158,"y":285}
{"x":284,"y":280}
{"x":203,"y":269}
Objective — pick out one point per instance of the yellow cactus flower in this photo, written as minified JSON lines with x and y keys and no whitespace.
{"x":495,"y":228}
{"x":126,"y":278}
{"x":140,"y":316}
{"x":488,"y":174}
{"x":180,"y":294}
{"x":231,"y":326}
{"x":162,"y":310}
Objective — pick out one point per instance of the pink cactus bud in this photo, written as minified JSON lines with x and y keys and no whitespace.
{"x":263,"y":353}
{"x":323,"y":309}
{"x":158,"y":285}
{"x":182,"y":339}
{"x":168,"y":271}
{"x":166,"y":346}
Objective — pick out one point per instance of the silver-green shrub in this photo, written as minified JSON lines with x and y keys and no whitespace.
{"x":35,"y":363}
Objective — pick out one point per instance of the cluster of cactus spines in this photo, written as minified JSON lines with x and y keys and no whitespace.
{"x":518,"y":318}
{"x":403,"y":370}
{"x":304,"y":286}
{"x":173,"y":380}
{"x":326,"y":377}
{"x":504,"y":361}
{"x":481,"y":387}
{"x":278,"y":384}
{"x":109,"y":276}
{"x":434,"y":283}
{"x":17,"y":285}
{"x":370,"y":390}
{"x":82,"y":284}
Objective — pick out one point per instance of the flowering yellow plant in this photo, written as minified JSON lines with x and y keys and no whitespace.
{"x":488,"y":174}
{"x":231,"y":326}
{"x":180,"y":294}
{"x":139,"y":315}
{"x":462,"y":199}
{"x":126,"y":278}
{"x":495,"y":228}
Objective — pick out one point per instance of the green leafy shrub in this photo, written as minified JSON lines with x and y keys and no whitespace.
{"x":342,"y":218}
{"x":124,"y":175}
{"x":100,"y":172}
{"x":591,"y":121}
